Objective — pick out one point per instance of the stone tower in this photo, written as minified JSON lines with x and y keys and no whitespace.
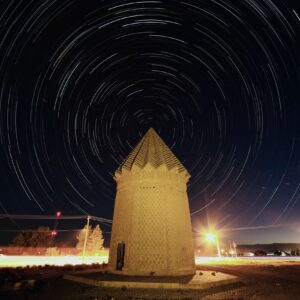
{"x":151,"y":233}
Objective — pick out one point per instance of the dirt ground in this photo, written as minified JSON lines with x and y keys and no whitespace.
{"x":274,"y":282}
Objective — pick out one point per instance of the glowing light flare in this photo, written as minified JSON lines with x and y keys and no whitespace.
{"x":211,"y":237}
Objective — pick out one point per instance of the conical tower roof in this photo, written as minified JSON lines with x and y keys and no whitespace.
{"x":152,"y":150}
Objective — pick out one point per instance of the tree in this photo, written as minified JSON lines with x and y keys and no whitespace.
{"x":40,"y":237}
{"x":94,"y":240}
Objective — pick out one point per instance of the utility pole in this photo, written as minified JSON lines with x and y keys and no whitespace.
{"x":218,"y":247}
{"x":86,"y":236}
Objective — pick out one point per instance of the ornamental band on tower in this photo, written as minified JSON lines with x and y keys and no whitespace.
{"x":151,"y":233}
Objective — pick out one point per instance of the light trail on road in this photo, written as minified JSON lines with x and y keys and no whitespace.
{"x":245,"y":260}
{"x":14,"y":261}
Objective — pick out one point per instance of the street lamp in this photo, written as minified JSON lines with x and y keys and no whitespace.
{"x":212,"y":238}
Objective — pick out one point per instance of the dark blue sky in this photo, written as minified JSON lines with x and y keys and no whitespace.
{"x":81,"y":82}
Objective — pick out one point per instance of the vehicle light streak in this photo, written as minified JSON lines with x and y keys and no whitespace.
{"x":245,"y":260}
{"x":32,"y":260}
{"x":14,"y":261}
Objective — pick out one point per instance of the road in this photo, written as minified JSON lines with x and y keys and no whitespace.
{"x":26,"y":260}
{"x":261,"y":279}
{"x":279,"y":272}
{"x":274,"y":281}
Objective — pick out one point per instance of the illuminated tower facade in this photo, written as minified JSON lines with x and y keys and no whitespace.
{"x":151,"y":232}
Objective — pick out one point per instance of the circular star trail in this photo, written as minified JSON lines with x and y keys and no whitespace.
{"x":82,"y":81}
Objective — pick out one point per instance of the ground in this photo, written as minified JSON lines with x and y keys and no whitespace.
{"x":262,"y":281}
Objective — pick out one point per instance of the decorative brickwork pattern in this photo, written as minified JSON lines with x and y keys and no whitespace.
{"x":152,"y":150}
{"x":151,"y":213}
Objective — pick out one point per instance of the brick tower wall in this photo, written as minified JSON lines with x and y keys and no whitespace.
{"x":152,"y":218}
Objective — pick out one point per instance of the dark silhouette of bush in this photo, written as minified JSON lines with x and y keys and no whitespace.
{"x":277,"y":252}
{"x":40,"y":237}
{"x":260,"y":253}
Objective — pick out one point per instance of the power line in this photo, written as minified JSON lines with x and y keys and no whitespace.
{"x":32,"y":230}
{"x":108,"y":221}
{"x":260,"y":227}
{"x":59,"y":230}
{"x":195,"y":232}
{"x":48,"y":217}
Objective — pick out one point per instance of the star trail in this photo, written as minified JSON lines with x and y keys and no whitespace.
{"x":82,"y":81}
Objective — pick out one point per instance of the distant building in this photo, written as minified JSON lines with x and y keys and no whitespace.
{"x":151,"y":233}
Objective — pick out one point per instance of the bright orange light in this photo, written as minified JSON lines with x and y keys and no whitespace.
{"x":211,"y":237}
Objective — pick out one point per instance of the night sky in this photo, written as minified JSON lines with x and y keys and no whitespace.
{"x":82,"y":81}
